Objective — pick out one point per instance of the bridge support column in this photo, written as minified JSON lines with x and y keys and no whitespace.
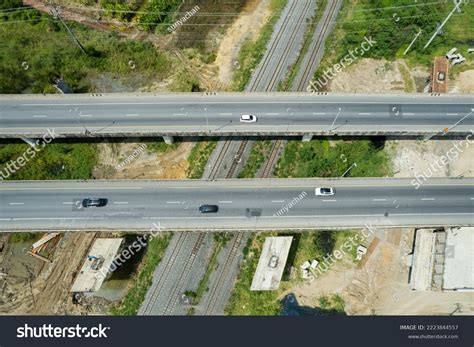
{"x":307,"y":137}
{"x":168,"y":140}
{"x":31,"y":142}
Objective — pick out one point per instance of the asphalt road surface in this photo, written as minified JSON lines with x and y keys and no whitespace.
{"x":200,"y":114}
{"x":243,"y":204}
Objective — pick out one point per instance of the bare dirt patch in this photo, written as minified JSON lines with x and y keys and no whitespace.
{"x":369,"y":76}
{"x":416,"y":157}
{"x":146,"y":165}
{"x":464,"y":83}
{"x":380,"y":285}
{"x":248,"y":25}
{"x":382,"y":76}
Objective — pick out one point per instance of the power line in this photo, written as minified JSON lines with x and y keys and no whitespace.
{"x":56,"y":14}
{"x":15,"y":9}
{"x":240,"y":13}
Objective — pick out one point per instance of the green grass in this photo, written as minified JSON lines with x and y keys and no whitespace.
{"x":185,"y":80}
{"x":142,"y":280}
{"x":24,"y":237}
{"x":243,"y":301}
{"x":53,"y":161}
{"x":159,"y":15}
{"x":260,"y":151}
{"x":394,"y":28}
{"x":34,"y":52}
{"x":323,"y":158}
{"x":252,"y":52}
{"x":220,"y":240}
{"x":199,"y":157}
{"x":320,"y":243}
{"x":331,"y":304}
{"x":161,"y":147}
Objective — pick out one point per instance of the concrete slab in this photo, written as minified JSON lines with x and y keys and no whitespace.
{"x":459,"y":260}
{"x":271,"y":263}
{"x":423,"y":259}
{"x":96,"y":266}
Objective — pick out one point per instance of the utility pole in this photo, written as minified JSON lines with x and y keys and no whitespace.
{"x":411,"y":44}
{"x":444,"y":22}
{"x":56,"y":15}
{"x":457,"y":123}
{"x":337,"y":115}
{"x":350,"y":167}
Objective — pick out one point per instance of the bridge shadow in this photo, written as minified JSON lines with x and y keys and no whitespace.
{"x":379,"y":141}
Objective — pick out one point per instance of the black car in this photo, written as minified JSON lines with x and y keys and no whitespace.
{"x":94,"y":202}
{"x":208,"y":208}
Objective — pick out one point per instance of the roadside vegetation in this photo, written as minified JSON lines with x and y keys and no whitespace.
{"x":260,"y":151}
{"x":24,"y":237}
{"x":220,"y":241}
{"x":325,"y":158}
{"x":158,"y":14}
{"x":53,"y":162}
{"x":252,"y":52}
{"x":161,"y":147}
{"x":393,"y":25}
{"x":199,"y":157}
{"x":36,"y":50}
{"x":331,"y":304}
{"x":317,"y":244}
{"x":142,"y":279}
{"x":243,"y":301}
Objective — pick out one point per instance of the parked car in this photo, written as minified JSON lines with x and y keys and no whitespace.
{"x":94,"y":202}
{"x":208,"y":208}
{"x":325,"y":191}
{"x":248,"y":118}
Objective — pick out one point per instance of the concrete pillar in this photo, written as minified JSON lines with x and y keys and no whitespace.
{"x":307,"y":137}
{"x":31,"y":142}
{"x":168,"y":140}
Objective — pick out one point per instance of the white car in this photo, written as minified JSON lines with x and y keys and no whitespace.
{"x":325,"y":191}
{"x":248,"y":118}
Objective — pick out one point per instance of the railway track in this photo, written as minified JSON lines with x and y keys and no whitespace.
{"x":220,"y":158}
{"x":176,"y":293}
{"x":283,"y":32}
{"x":217,"y":290}
{"x":237,"y":157}
{"x":273,"y":157}
{"x":301,"y":81}
{"x":155,"y":290}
